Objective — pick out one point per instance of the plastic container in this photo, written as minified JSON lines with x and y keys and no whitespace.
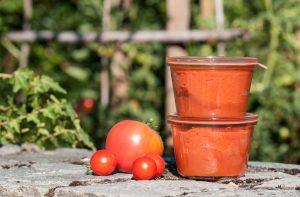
{"x":216,"y":87}
{"x":208,"y":149}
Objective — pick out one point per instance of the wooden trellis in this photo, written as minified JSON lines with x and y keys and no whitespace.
{"x":177,"y":32}
{"x":171,"y":37}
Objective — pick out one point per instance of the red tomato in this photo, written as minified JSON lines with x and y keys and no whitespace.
{"x":144,"y":168}
{"x":88,"y":104}
{"x":129,"y":140}
{"x":103,"y":162}
{"x":160,"y":163}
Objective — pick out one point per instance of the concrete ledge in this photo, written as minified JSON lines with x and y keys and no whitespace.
{"x":27,"y":171}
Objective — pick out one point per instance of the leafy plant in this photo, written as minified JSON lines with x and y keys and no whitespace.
{"x":34,"y":110}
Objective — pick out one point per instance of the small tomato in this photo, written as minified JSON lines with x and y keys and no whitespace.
{"x":88,"y":104}
{"x":103,"y":162}
{"x":160,"y":163}
{"x":144,"y":168}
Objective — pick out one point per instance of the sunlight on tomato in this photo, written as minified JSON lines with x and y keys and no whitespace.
{"x":160,"y":163}
{"x":129,"y":140}
{"x":144,"y":168}
{"x":103,"y":162}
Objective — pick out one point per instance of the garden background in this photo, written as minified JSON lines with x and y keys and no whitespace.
{"x":137,"y":88}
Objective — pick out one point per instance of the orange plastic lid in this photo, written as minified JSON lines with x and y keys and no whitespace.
{"x":248,"y":119}
{"x":212,"y":61}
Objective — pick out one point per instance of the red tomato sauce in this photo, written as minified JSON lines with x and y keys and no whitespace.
{"x":215,"y":87}
{"x":217,"y":149}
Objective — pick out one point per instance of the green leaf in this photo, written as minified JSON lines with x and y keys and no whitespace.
{"x":33,"y":117}
{"x":48,"y":113}
{"x":14,"y":125}
{"x":42,"y":84}
{"x":53,"y":85}
{"x":83,"y":137}
{"x":70,"y":111}
{"x":43,"y":131}
{"x":55,"y":100}
{"x":21,"y":79}
{"x":54,"y":110}
{"x":58,"y":109}
{"x":76,"y":123}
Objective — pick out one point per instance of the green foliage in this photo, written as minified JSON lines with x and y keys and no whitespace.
{"x":34,"y":110}
{"x":275,"y":92}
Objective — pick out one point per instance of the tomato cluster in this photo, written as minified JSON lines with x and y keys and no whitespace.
{"x":131,"y":147}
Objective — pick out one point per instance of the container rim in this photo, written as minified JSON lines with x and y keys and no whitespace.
{"x":248,"y":119}
{"x":211,"y":61}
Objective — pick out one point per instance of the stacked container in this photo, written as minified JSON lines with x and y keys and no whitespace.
{"x":211,"y":129}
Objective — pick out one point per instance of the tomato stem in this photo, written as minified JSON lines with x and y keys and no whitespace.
{"x":88,"y":170}
{"x":151,"y":123}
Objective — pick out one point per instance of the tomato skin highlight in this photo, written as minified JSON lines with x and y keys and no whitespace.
{"x":160,"y":163}
{"x":103,"y":162}
{"x":129,"y":140}
{"x":144,"y":168}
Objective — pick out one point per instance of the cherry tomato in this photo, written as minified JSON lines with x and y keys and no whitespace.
{"x":103,"y":162}
{"x":129,"y":140}
{"x":88,"y":104}
{"x":160,"y":163}
{"x":144,"y":168}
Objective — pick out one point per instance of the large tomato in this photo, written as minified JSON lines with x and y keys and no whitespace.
{"x":129,"y":140}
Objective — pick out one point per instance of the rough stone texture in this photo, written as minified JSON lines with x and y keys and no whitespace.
{"x":9,"y":149}
{"x":27,"y":171}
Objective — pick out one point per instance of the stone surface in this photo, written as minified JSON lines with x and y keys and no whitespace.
{"x":287,"y":183}
{"x":27,"y":171}
{"x":7,"y":149}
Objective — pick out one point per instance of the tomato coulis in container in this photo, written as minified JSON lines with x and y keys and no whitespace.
{"x":209,"y":148}
{"x":216,"y":87}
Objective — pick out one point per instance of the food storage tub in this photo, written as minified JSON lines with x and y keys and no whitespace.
{"x":212,"y":148}
{"x":211,"y":87}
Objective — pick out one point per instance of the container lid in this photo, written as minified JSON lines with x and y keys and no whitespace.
{"x":249,"y":118}
{"x":212,"y":61}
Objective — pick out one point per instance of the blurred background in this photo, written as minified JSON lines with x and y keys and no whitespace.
{"x":114,"y":76}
